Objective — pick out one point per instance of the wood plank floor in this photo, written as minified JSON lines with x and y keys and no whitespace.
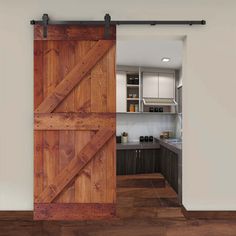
{"x":141,"y":211}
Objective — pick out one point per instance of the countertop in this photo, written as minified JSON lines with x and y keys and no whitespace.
{"x":138,"y":145}
{"x":174,"y":147}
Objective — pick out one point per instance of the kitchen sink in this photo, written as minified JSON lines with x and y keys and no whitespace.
{"x":174,"y":140}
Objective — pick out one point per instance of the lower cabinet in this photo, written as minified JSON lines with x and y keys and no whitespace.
{"x":140,"y":161}
{"x":169,"y":167}
{"x":137,"y":161}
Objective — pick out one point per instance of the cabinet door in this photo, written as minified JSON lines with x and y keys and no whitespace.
{"x":121,"y":92}
{"x":169,"y":167}
{"x":166,"y":85}
{"x":120,"y":162}
{"x":174,"y":171}
{"x":150,"y":85}
{"x":149,"y":161}
{"x":130,"y":162}
{"x":157,"y":157}
{"x":140,"y":162}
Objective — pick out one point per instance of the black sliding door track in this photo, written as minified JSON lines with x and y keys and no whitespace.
{"x":107,"y":22}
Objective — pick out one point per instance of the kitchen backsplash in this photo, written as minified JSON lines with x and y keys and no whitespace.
{"x":144,"y":124}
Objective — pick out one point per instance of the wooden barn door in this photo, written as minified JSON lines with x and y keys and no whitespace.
{"x":74,"y":123}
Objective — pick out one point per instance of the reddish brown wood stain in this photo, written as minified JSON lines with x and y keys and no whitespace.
{"x":74,"y":129}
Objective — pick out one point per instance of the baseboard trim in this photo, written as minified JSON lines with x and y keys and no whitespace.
{"x":210,"y":215}
{"x":16,"y":215}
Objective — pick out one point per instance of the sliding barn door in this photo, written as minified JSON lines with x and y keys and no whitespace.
{"x":74,"y":123}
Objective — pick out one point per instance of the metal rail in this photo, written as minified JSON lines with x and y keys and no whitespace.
{"x":107,"y":22}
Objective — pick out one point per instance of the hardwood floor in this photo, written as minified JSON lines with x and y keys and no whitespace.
{"x":141,"y":211}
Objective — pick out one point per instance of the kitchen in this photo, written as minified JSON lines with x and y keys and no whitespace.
{"x":149,"y":111}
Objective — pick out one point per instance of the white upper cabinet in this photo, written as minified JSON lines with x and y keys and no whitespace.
{"x":166,"y":85}
{"x":150,"y":85}
{"x":121,"y":91}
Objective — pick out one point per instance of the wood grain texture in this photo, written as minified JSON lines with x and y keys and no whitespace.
{"x":38,"y":163}
{"x":58,"y":183}
{"x":73,"y":211}
{"x":38,"y":72}
{"x":111,"y":174}
{"x":83,"y":90}
{"x":111,"y":79}
{"x":99,"y":86}
{"x":51,"y":78}
{"x":64,"y":133}
{"x":98,"y":178}
{"x":74,"y":121}
{"x":74,"y":76}
{"x":38,"y":135}
{"x":67,"y":61}
{"x":83,"y":184}
{"x":66,"y":154}
{"x":73,"y":32}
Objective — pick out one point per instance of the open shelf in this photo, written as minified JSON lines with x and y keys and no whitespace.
{"x":133,"y":85}
{"x":150,"y":113}
{"x":133,"y":99}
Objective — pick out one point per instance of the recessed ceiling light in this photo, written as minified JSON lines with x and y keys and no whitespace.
{"x":165,"y":59}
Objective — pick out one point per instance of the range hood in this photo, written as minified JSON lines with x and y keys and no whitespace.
{"x":159,"y":102}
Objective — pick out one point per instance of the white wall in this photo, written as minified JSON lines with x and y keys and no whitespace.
{"x":144,"y":125}
{"x":209,"y":155}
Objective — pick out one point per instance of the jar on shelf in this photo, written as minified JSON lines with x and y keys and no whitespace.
{"x":131,"y":108}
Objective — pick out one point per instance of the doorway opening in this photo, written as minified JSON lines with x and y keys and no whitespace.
{"x":149,"y":83}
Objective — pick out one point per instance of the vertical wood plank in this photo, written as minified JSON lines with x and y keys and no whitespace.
{"x":99,"y":86}
{"x":83,"y":104}
{"x":66,"y":57}
{"x":83,"y":89}
{"x":50,"y":156}
{"x":111,"y":145}
{"x":38,"y":135}
{"x":52,"y":72}
{"x":99,"y":181}
{"x":111,"y":80}
{"x":83,"y":181}
{"x":66,"y":153}
{"x":111,"y":171}
{"x":38,"y":163}
{"x":51,"y":65}
{"x":38,"y":72}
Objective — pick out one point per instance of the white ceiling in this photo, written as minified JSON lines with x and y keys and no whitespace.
{"x":149,"y":53}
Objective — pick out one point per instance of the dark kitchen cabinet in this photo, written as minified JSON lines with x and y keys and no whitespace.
{"x":126,"y":162}
{"x":169,"y":167}
{"x":138,"y":161}
{"x":131,"y":162}
{"x":120,"y":162}
{"x":147,"y":161}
